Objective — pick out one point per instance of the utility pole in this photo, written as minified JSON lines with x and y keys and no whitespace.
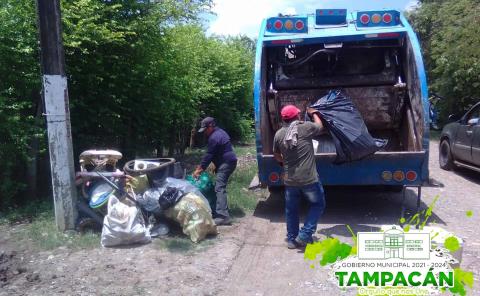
{"x":57,"y":113}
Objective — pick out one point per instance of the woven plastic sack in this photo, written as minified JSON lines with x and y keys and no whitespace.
{"x":123,"y":225}
{"x":193,"y":214}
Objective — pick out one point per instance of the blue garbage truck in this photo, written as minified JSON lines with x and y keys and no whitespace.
{"x":374,"y":58}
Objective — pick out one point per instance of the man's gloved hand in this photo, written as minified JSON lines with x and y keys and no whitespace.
{"x":197,"y":172}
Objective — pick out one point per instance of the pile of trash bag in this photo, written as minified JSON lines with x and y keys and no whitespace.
{"x":134,"y":205}
{"x":346,"y":126}
{"x":173,"y":199}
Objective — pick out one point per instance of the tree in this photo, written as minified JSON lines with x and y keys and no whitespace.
{"x":141,"y":75}
{"x":450,"y":35}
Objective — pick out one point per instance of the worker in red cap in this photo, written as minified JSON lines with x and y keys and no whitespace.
{"x":293,"y":149}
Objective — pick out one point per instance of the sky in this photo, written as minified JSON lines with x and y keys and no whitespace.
{"x":235,"y":17}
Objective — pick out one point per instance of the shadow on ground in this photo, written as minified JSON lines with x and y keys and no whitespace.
{"x":354,"y":206}
{"x":467,"y":174}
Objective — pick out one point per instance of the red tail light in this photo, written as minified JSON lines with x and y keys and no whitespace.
{"x":274,"y":177}
{"x":278,"y":25}
{"x":365,"y":19}
{"x":411,"y":176}
{"x":387,"y":18}
{"x":299,"y":25}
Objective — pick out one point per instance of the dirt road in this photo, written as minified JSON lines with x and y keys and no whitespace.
{"x":248,"y":258}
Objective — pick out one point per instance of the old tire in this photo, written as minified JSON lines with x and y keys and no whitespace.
{"x":86,"y":224}
{"x":445,"y":157}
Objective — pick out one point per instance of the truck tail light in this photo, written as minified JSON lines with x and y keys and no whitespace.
{"x":387,"y":18}
{"x":299,"y":25}
{"x":289,"y":25}
{"x":376,"y":18}
{"x":399,"y":176}
{"x":411,"y":176}
{"x":365,"y":18}
{"x":274,"y":177}
{"x":387,"y":176}
{"x":379,"y":18}
{"x":278,"y":25}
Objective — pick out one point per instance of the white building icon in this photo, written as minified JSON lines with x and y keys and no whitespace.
{"x":393,"y":240}
{"x":393,"y":243}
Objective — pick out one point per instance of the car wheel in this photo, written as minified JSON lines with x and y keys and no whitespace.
{"x":445,"y":156}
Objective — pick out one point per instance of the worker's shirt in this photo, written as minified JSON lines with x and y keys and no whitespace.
{"x":219,"y":149}
{"x":299,"y":161}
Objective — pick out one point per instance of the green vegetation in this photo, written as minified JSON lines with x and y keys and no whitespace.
{"x":42,"y":233}
{"x":240,"y":200}
{"x":141,"y":74}
{"x":450,"y":39}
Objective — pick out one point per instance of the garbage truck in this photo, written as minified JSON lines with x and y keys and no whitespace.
{"x":374,"y":58}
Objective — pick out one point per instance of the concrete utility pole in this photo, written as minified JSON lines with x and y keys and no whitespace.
{"x":57,"y":113}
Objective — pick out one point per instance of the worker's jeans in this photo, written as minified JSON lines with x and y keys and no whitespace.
{"x":223,"y":173}
{"x":316,"y":199}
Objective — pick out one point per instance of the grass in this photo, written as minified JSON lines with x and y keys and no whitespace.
{"x":42,"y":234}
{"x":38,"y":229}
{"x":240,"y":200}
{"x":244,"y":149}
{"x":26,"y":213}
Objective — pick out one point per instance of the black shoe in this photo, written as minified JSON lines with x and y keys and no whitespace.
{"x":223,"y":221}
{"x":292,"y":245}
{"x":302,"y":243}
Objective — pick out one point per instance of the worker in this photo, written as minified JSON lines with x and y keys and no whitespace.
{"x":221,"y":153}
{"x":293,"y":149}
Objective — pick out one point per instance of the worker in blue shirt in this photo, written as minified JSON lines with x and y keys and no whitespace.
{"x":221,"y":153}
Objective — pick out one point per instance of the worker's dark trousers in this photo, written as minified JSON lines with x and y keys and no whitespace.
{"x":223,"y":173}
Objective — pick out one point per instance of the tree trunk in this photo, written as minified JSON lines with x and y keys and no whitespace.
{"x":193,"y":132}
{"x":171,"y":141}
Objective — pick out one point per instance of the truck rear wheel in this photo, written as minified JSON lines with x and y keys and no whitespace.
{"x":276,"y":192}
{"x":445,"y":157}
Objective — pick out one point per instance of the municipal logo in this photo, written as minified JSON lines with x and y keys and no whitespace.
{"x":393,"y":243}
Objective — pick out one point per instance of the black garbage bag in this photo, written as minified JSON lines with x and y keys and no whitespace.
{"x":169,"y":197}
{"x":347,"y":128}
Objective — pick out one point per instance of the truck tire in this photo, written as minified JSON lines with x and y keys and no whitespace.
{"x":445,"y":157}
{"x":393,"y":188}
{"x":277,"y":192}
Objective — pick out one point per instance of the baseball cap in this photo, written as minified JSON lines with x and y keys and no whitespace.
{"x":289,"y":112}
{"x":206,"y":122}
